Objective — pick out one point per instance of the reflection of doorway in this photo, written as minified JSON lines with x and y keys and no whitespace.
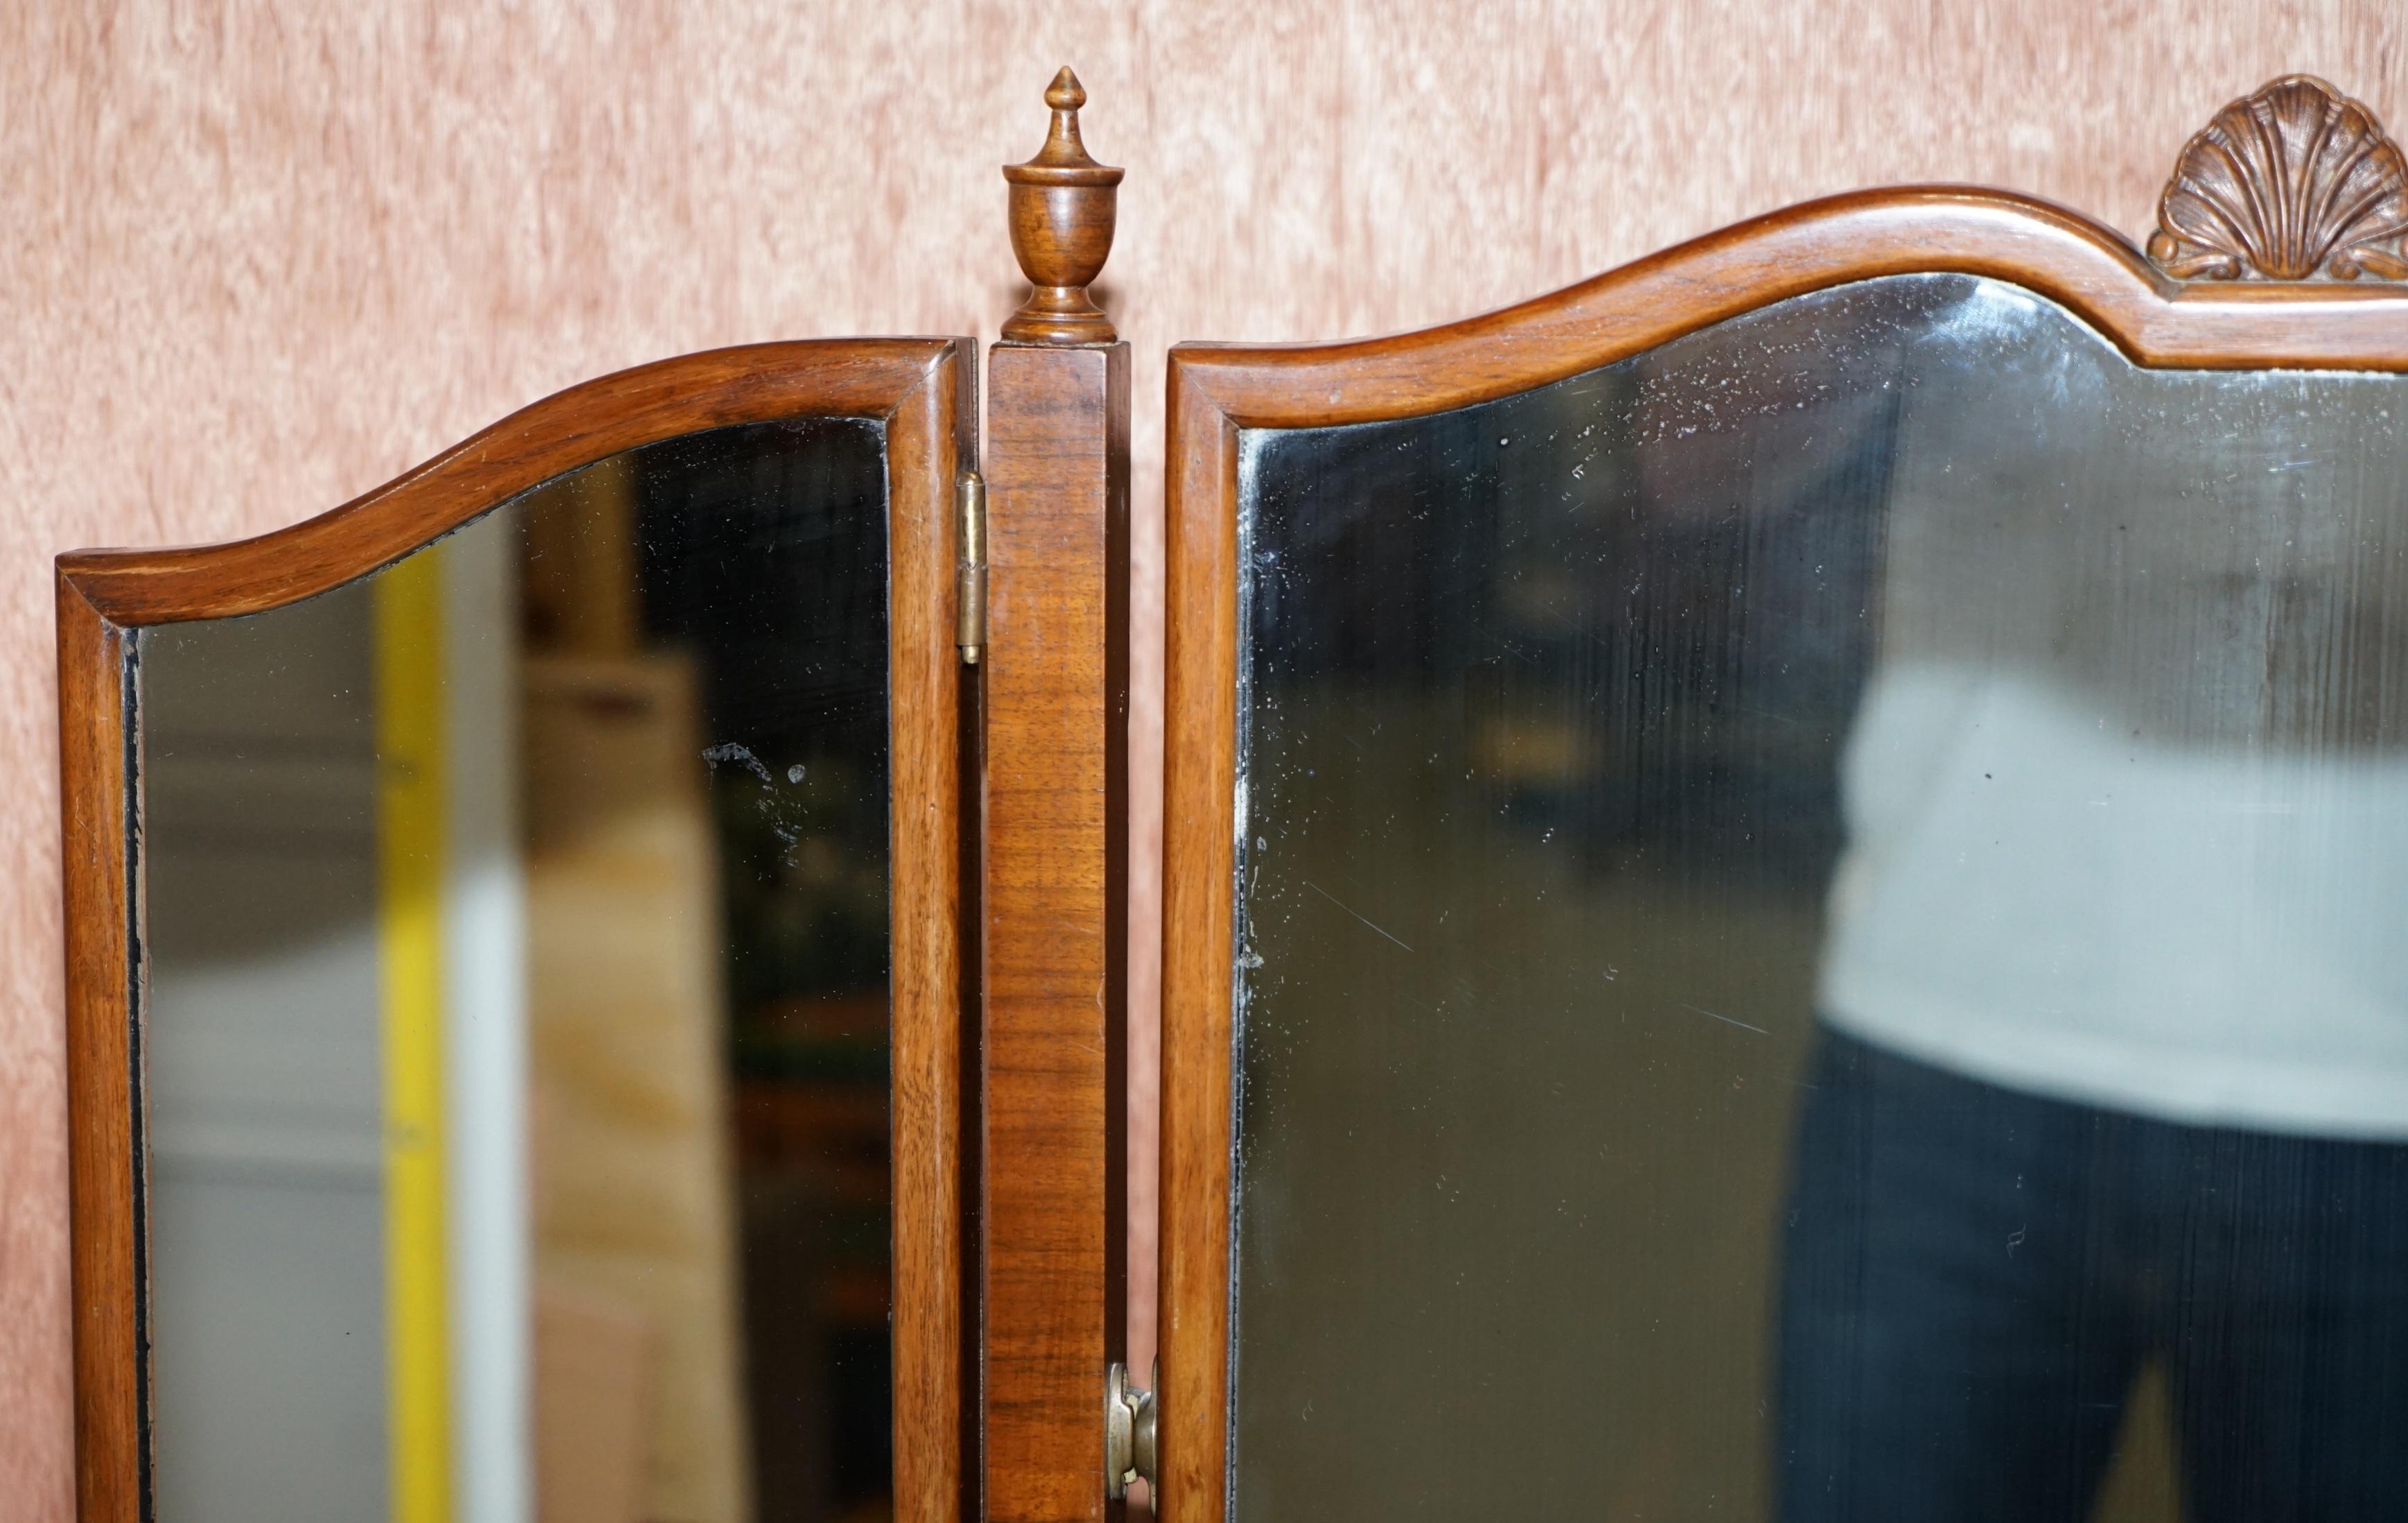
{"x":706,"y":624}
{"x":638,"y":1375}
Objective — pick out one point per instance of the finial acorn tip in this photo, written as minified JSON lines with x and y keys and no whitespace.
{"x":1066,"y":94}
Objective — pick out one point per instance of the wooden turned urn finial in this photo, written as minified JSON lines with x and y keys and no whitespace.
{"x":1062,"y":207}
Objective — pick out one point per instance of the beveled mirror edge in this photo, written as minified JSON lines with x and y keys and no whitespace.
{"x":1213,"y":390}
{"x":923,"y":391}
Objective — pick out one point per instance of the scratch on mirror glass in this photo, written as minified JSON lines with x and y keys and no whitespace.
{"x":1359,"y":915}
{"x":1727,"y":1020}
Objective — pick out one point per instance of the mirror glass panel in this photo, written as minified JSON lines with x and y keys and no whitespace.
{"x":516,"y":1021}
{"x":1820,"y":937}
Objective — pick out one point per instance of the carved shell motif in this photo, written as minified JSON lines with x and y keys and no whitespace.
{"x":2294,"y":182}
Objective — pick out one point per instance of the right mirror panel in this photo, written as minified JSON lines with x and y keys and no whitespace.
{"x":1821,"y":937}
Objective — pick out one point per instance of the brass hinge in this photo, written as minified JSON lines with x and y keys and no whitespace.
{"x":969,"y":571}
{"x":1128,"y":1431}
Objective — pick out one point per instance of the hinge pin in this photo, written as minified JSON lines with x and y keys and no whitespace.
{"x":1128,"y":1432}
{"x":970,"y":570}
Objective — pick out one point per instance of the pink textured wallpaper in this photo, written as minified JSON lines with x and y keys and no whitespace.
{"x":256,"y":261}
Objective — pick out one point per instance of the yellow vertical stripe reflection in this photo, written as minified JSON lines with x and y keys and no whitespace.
{"x":409,"y":863}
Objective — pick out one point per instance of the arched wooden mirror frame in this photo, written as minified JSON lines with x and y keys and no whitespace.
{"x":923,"y":390}
{"x":2265,"y":304}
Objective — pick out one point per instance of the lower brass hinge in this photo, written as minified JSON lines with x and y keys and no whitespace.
{"x":969,"y":567}
{"x":1128,"y":1432}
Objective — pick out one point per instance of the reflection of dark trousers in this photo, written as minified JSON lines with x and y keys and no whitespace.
{"x":1973,"y":1277}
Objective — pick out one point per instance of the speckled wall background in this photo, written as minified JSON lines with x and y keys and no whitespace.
{"x":257,"y":260}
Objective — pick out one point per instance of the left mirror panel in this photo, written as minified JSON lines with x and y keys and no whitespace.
{"x":516,"y":1007}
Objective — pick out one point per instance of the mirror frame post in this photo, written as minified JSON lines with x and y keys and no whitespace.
{"x":1054,"y":938}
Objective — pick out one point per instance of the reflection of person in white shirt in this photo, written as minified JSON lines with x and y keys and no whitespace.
{"x":2115,"y":1059}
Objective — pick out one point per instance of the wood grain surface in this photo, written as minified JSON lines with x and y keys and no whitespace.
{"x":1055,"y":952}
{"x":923,"y":391}
{"x":931,"y":436}
{"x":110,"y":1340}
{"x":258,"y":261}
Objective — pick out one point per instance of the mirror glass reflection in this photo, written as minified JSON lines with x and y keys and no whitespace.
{"x":516,"y":1019}
{"x":1820,"y":937}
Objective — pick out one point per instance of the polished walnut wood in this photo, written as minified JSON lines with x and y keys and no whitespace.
{"x":1056,"y":924}
{"x":100,"y":860}
{"x":2295,"y":181}
{"x":1063,"y":204}
{"x":923,"y":391}
{"x":1217,"y":391}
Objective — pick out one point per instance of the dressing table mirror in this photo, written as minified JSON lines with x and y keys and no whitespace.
{"x":576,"y":958}
{"x":1784,"y":875}
{"x":518,"y":975}
{"x":1781,"y":875}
